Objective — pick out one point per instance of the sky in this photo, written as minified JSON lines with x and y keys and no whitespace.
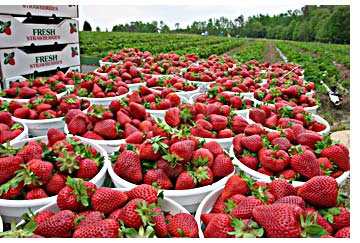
{"x":106,"y":16}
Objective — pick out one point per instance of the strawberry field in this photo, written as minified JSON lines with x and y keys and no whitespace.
{"x":178,"y":136}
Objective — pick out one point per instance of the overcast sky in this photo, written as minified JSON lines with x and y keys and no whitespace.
{"x":106,"y":16}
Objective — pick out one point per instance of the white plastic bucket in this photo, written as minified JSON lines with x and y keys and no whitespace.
{"x":27,"y":100}
{"x":189,"y":199}
{"x":40,"y":127}
{"x":13,"y":209}
{"x":259,"y":176}
{"x":161,"y":113}
{"x":105,"y":102}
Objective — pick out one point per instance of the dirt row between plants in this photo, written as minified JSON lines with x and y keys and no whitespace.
{"x":236,"y":50}
{"x":271,"y":55}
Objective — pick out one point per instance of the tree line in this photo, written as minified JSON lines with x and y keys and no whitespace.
{"x":324,"y":23}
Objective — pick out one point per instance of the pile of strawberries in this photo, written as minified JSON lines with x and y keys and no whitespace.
{"x":9,"y":129}
{"x":169,"y":82}
{"x":206,"y":120}
{"x":27,"y":89}
{"x":293,"y":95}
{"x":236,"y":84}
{"x":46,"y":106}
{"x":172,"y":161}
{"x":283,"y":116}
{"x":95,"y":86}
{"x":150,"y":99}
{"x":127,"y":72}
{"x":116,"y":122}
{"x":249,"y":209}
{"x":131,"y":54}
{"x":38,"y":170}
{"x":216,"y":96}
{"x":199,"y":73}
{"x":294,"y":153}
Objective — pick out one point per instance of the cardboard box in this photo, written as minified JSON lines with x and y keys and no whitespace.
{"x":64,"y":11}
{"x":7,"y":81}
{"x":16,"y":62}
{"x":14,"y":33}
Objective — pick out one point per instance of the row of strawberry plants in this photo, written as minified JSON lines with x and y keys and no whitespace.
{"x":253,"y":51}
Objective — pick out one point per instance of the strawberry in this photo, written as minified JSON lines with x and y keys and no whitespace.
{"x":159,"y":177}
{"x":244,"y":209}
{"x":253,"y":129}
{"x":58,"y":225}
{"x":150,"y":149}
{"x":88,"y":169}
{"x":172,"y":117}
{"x":282,"y":143}
{"x":54,"y":135}
{"x":106,"y":200}
{"x":343,"y":233}
{"x":338,"y":217}
{"x":107,"y":228}
{"x":252,"y":143}
{"x":136,"y":213}
{"x":42,"y":216}
{"x":185,"y":180}
{"x":200,"y":131}
{"x":5,"y":117}
{"x":8,"y":167}
{"x":338,"y":155}
{"x":88,"y":217}
{"x":135,"y":138}
{"x":78,"y":125}
{"x":160,"y":226}
{"x":202,"y":156}
{"x":271,"y":121}
{"x":320,"y":220}
{"x":41,"y":169}
{"x":288,"y":174}
{"x":204,"y":175}
{"x":274,"y":160}
{"x":27,"y":92}
{"x":308,"y":139}
{"x":288,"y":225}
{"x":249,"y":160}
{"x":320,"y":191}
{"x":219,"y":227}
{"x":222,"y":166}
{"x":183,"y":150}
{"x":55,"y":184}
{"x":22,"y":113}
{"x":128,"y":167}
{"x":92,"y":135}
{"x":143,"y":191}
{"x":137,"y":110}
{"x":14,"y":191}
{"x":35,"y":193}
{"x":183,"y":225}
{"x":107,"y":129}
{"x":235,"y":185}
{"x":225,"y":133}
{"x":281,"y":188}
{"x":305,"y":163}
{"x":30,"y":152}
{"x":218,"y":122}
{"x":292,"y":200}
{"x":257,"y":115}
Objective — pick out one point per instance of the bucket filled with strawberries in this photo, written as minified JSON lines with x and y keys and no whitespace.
{"x":11,"y":130}
{"x":186,"y":168}
{"x":84,"y":210}
{"x":292,"y":153}
{"x":43,"y":112}
{"x":33,"y":171}
{"x":245,"y":208}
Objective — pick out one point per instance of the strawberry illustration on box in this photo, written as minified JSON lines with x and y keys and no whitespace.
{"x":74,"y":51}
{"x":5,"y":27}
{"x":73,"y":28}
{"x":9,"y":58}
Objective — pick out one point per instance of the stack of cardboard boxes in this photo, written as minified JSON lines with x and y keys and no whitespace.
{"x":37,"y":40}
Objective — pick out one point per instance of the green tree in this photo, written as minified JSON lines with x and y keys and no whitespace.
{"x":98,"y":29}
{"x":87,"y":26}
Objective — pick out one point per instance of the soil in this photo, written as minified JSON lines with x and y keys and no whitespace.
{"x":271,"y":55}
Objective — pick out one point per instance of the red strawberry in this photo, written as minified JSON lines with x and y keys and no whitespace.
{"x":183,"y":150}
{"x":8,"y":166}
{"x":185,"y":180}
{"x":204,"y":175}
{"x":308,"y":139}
{"x":292,"y":200}
{"x":5,"y":117}
{"x":131,"y":216}
{"x":338,"y":217}
{"x":287,"y":174}
{"x":203,"y":156}
{"x":288,"y":225}
{"x":58,"y":225}
{"x":55,"y":184}
{"x":143,"y":191}
{"x":200,"y":131}
{"x":26,"y":92}
{"x":214,"y":148}
{"x":160,"y":226}
{"x":244,"y":209}
{"x":252,"y":143}
{"x":225,"y":133}
{"x":320,"y":220}
{"x":238,"y":124}
{"x":106,"y":200}
{"x":338,"y":155}
{"x":128,"y":167}
{"x":250,"y":161}
{"x":274,"y":160}
{"x":78,"y":125}
{"x":320,"y":191}
{"x":172,"y":117}
{"x":54,"y":135}
{"x":107,"y":129}
{"x":92,"y":135}
{"x":107,"y":228}
{"x":281,"y":188}
{"x":282,"y":143}
{"x":343,"y":233}
{"x":305,"y":163}
{"x":222,"y":166}
{"x":219,"y":227}
{"x":89,"y":217}
{"x":218,"y":122}
{"x":137,"y":110}
{"x":159,"y":177}
{"x":22,"y":113}
{"x":257,"y":115}
{"x":41,"y":169}
{"x":30,"y":152}
{"x":183,"y":225}
{"x":253,"y":129}
{"x":235,"y":185}
{"x":88,"y":169}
